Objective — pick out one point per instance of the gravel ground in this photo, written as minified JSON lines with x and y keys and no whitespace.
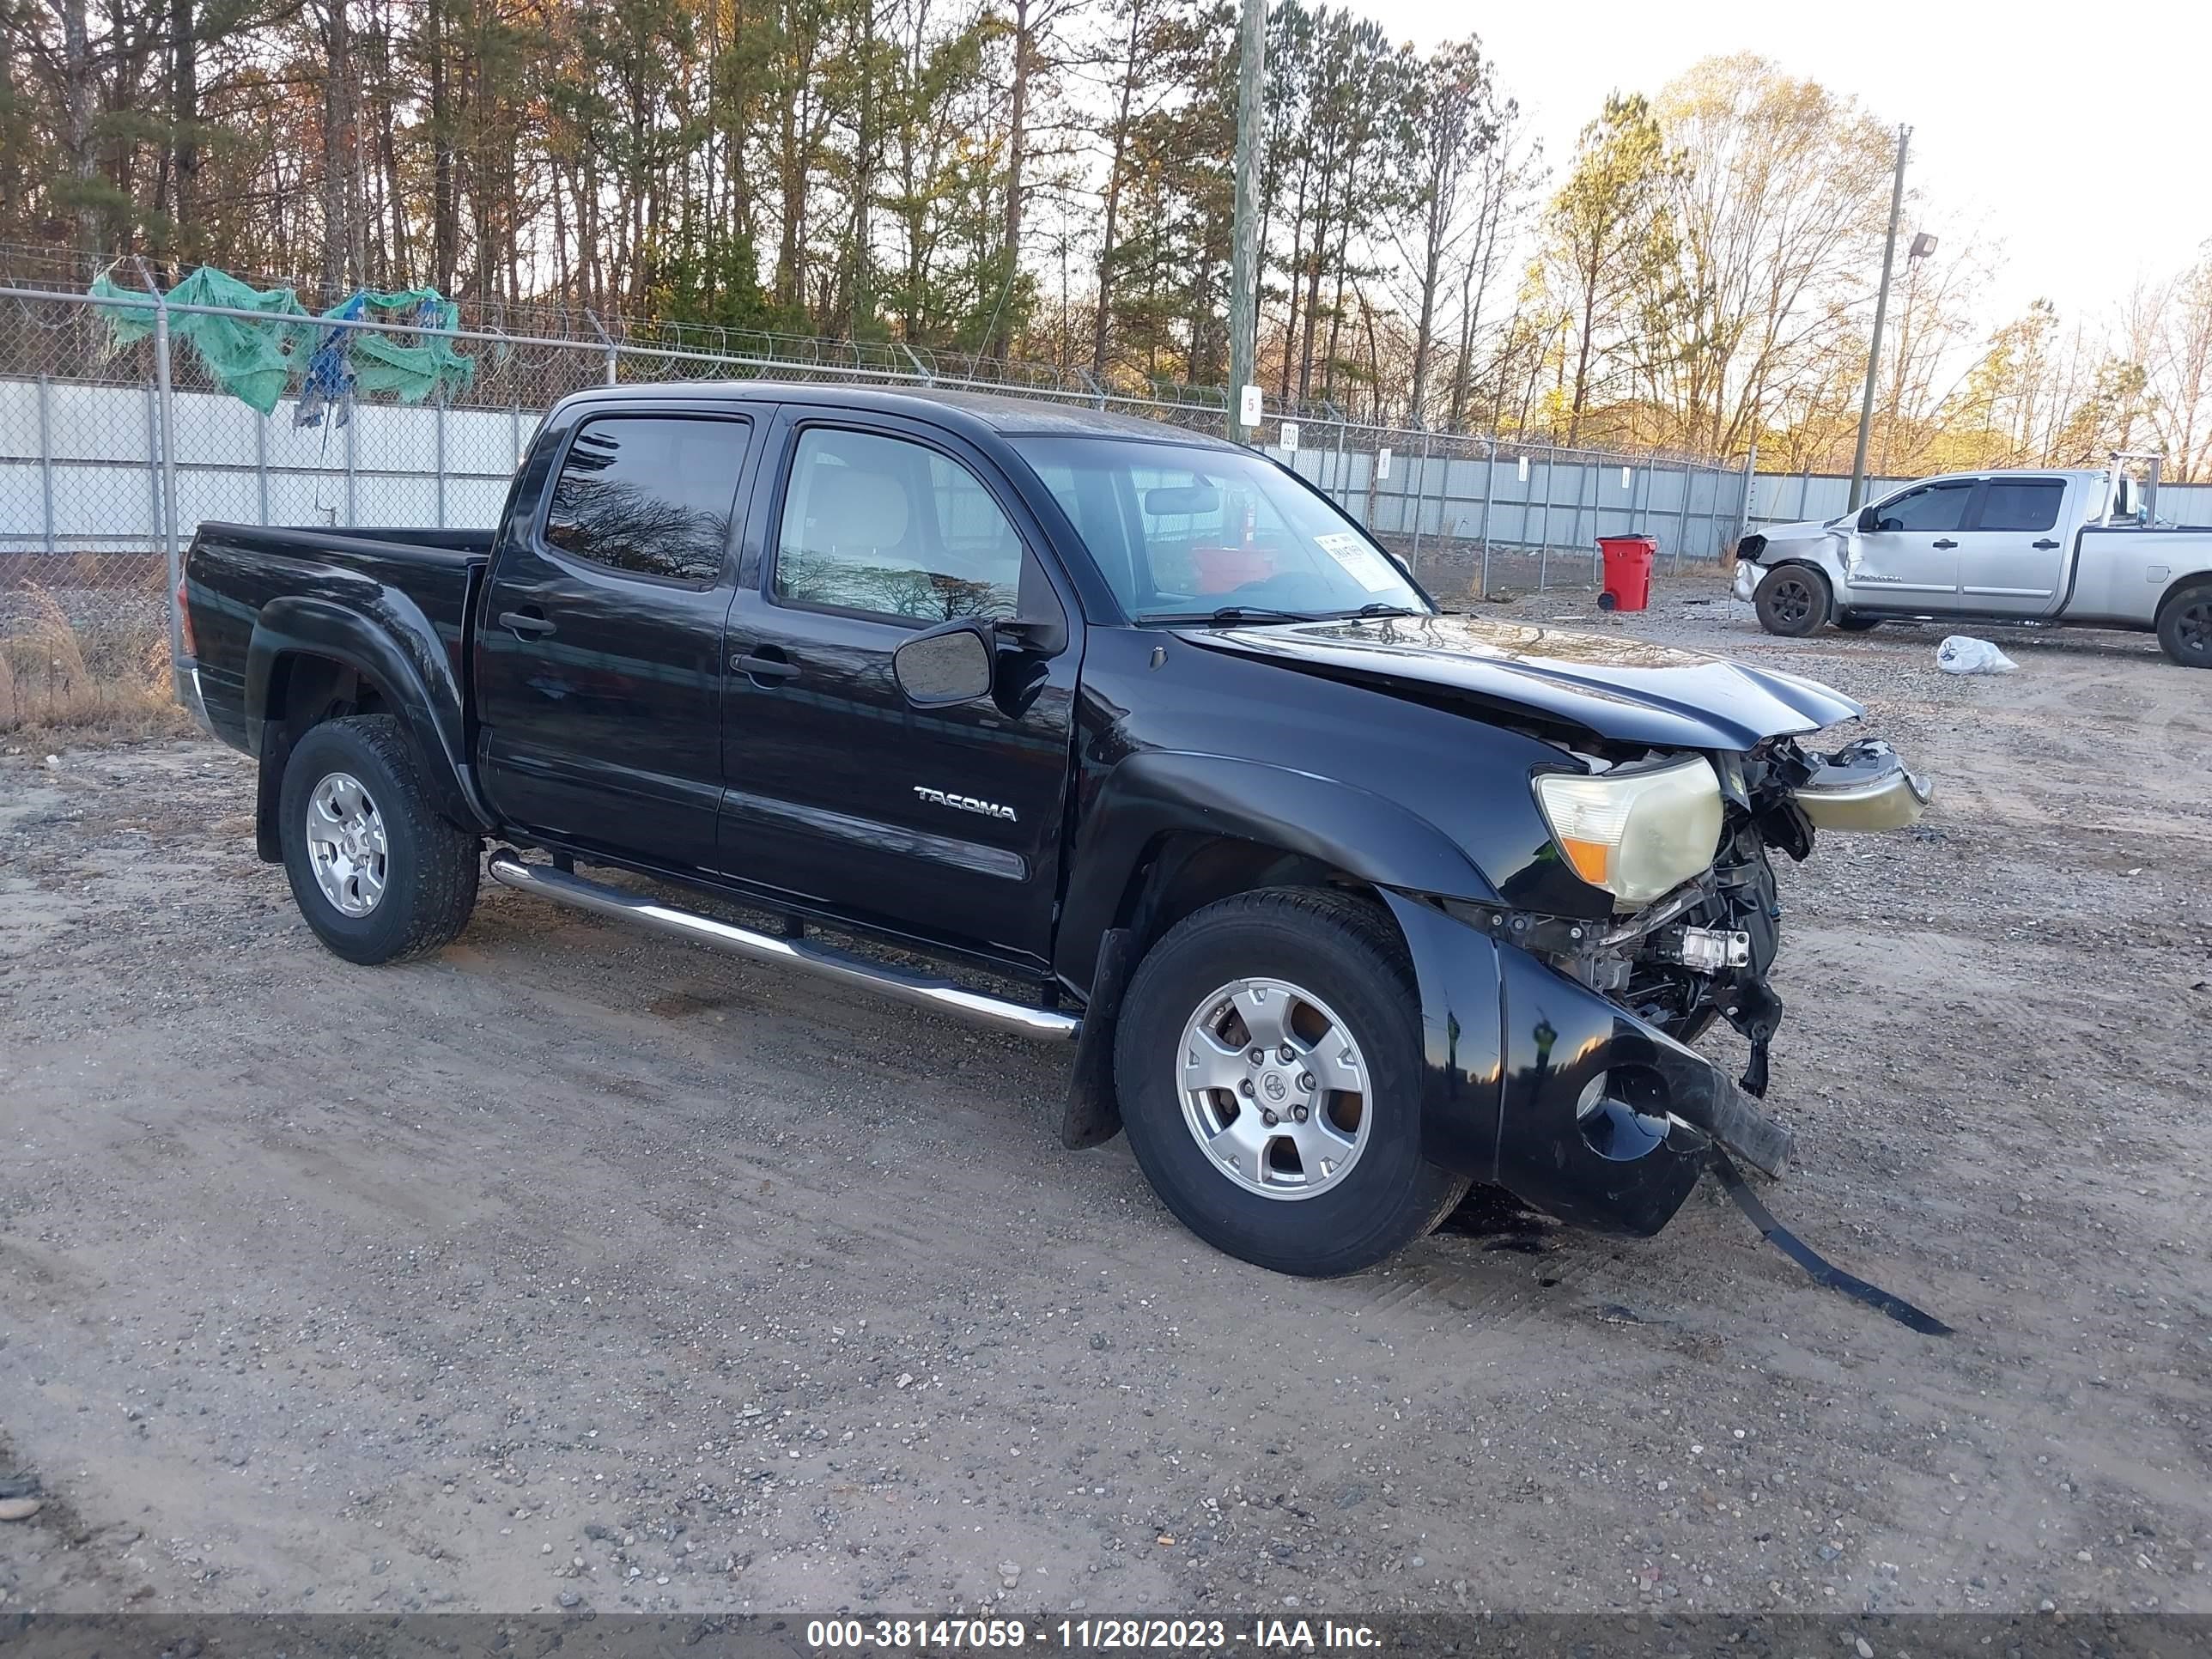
{"x":577,"y":1267}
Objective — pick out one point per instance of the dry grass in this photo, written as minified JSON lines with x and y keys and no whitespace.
{"x":57,"y":679}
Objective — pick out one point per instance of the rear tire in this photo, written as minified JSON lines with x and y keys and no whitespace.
{"x":2185,"y":625}
{"x":1318,"y":1196}
{"x":377,"y":874}
{"x":1793,"y":600}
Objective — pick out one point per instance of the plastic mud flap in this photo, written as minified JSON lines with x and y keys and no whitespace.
{"x":1536,"y":1083}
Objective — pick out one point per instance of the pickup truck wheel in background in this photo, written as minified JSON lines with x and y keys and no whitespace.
{"x":1267,"y":1059}
{"x":1793,"y":600}
{"x":378,"y":875}
{"x":2184,"y":626}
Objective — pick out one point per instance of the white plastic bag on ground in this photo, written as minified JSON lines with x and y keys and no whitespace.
{"x":1962,"y":654}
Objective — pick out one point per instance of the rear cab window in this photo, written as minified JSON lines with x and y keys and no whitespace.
{"x":2022,"y":504}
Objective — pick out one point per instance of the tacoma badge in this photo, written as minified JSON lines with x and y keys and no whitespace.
{"x":989,"y":809}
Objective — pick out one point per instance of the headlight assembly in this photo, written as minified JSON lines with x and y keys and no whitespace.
{"x":1638,"y":834}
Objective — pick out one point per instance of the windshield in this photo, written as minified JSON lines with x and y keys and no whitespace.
{"x":1181,"y":532}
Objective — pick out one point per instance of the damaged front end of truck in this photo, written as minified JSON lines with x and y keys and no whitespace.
{"x":1606,"y":1116}
{"x":1575,"y":837}
{"x":1704,"y":950}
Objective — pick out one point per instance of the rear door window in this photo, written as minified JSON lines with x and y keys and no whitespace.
{"x":2022,"y":504}
{"x":1931,"y":507}
{"x":649,"y":495}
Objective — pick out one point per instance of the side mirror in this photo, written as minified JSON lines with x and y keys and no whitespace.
{"x":940,"y":666}
{"x":1869,"y":520}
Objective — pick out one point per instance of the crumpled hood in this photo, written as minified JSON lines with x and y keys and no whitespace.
{"x":1810,"y":530}
{"x":1618,"y":686}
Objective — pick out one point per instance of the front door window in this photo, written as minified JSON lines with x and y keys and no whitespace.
{"x":882,"y":527}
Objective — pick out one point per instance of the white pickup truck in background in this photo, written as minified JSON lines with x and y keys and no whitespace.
{"x":2076,"y":549}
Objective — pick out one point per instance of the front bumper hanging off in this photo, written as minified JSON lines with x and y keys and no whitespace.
{"x":1535,"y":1083}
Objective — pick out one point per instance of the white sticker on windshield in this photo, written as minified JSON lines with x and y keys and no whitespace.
{"x":1369,"y":568}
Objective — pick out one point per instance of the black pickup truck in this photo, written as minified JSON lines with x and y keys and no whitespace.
{"x":1343,"y":902}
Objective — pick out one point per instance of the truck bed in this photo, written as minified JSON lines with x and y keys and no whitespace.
{"x":419,"y":580}
{"x":2121,"y":572}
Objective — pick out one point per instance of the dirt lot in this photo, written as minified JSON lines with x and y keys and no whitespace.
{"x":578,"y":1264}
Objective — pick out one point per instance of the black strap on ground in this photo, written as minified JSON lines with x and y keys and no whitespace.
{"x":1823,"y":1271}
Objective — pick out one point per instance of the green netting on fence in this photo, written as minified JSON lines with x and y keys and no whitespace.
{"x":409,"y":367}
{"x":255,"y":359}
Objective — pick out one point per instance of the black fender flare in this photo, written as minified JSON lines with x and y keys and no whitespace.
{"x":1148,"y":796}
{"x":395,"y":649}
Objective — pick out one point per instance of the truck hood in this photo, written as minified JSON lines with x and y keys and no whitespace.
{"x":1629,"y":689}
{"x":1809,"y":530}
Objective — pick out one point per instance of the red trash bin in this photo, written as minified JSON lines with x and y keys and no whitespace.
{"x":1628,"y":562}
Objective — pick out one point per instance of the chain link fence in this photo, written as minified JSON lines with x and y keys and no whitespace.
{"x":1474,"y":516}
{"x":111,"y":457}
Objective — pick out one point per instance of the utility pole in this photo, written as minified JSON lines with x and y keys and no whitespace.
{"x":1880,"y":311}
{"x":1244,"y":236}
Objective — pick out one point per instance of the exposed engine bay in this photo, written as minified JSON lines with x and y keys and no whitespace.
{"x":1704,"y":951}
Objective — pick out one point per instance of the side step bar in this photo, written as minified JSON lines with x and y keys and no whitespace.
{"x":1018,"y":1019}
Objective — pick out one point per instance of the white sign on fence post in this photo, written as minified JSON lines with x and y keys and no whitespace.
{"x":1624,"y":482}
{"x":1248,"y":408}
{"x":1290,"y":437}
{"x":1525,"y":469}
{"x":1383,"y":464}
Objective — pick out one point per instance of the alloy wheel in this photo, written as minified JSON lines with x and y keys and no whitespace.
{"x":1792,"y":602}
{"x":2194,"y":631}
{"x":346,"y":844}
{"x":1275,"y":1088}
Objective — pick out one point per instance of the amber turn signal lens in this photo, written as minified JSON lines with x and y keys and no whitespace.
{"x":1589,"y":858}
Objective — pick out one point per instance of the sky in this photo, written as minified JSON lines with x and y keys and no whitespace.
{"x":2085,"y":149}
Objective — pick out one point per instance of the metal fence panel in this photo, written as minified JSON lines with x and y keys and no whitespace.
{"x":92,"y":512}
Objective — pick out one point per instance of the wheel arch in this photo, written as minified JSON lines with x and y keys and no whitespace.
{"x":1831,"y":585}
{"x":1175,"y":832}
{"x":2177,"y":587}
{"x":2185,"y":583}
{"x":310,"y":657}
{"x":1170,"y":832}
{"x":1805,"y":562}
{"x":1186,"y":870}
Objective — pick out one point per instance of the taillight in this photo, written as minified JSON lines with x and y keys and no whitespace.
{"x":185,"y":624}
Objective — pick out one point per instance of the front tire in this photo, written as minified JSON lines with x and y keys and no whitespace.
{"x":2184,"y":626}
{"x":1305,"y":1159}
{"x":377,"y":874}
{"x":1793,"y":600}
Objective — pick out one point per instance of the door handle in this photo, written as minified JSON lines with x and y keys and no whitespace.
{"x":763,"y":667}
{"x":524,"y":623}
{"x":2044,"y":545}
{"x":1945,"y":546}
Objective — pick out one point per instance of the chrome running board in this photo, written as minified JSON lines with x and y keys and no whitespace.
{"x":1017,"y":1019}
